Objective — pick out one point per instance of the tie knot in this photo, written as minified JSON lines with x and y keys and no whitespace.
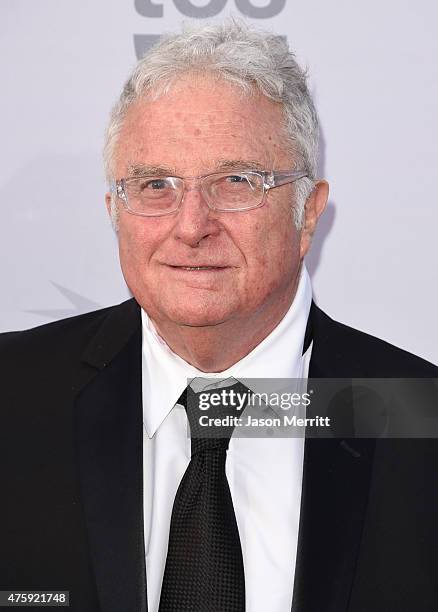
{"x":212,"y":416}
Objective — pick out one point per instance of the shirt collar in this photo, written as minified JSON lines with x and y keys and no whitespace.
{"x":279,"y":355}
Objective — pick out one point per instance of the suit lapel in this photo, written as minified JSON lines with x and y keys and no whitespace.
{"x":110,"y":459}
{"x":336,"y":480}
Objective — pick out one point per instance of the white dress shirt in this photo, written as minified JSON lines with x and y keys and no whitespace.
{"x":265,"y":475}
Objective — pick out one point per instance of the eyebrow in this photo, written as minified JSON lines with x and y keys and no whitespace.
{"x":140,"y":170}
{"x":236,"y":164}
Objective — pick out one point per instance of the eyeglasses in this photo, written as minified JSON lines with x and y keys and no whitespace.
{"x":155,"y":196}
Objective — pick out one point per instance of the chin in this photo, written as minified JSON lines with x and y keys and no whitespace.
{"x":197,"y":315}
{"x":196,"y":319}
{"x":192,"y":309}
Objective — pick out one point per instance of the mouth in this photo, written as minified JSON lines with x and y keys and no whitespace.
{"x":198,"y":268}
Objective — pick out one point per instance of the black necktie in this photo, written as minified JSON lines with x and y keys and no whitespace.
{"x":204,"y":566}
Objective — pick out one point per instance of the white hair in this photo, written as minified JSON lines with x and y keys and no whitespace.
{"x":248,"y":58}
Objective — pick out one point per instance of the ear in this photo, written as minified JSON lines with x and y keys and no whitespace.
{"x":314,"y":208}
{"x":108,"y":202}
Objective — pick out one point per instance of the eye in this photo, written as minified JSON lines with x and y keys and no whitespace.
{"x":154,"y":184}
{"x":236,"y":178}
{"x":241,"y":182}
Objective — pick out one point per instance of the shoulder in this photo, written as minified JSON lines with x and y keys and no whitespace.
{"x":355,"y":353}
{"x":50,"y":335}
{"x":53,"y":343}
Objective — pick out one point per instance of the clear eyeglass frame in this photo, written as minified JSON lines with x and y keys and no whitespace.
{"x":270,"y":180}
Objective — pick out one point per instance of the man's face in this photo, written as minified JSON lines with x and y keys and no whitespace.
{"x":253,"y":256}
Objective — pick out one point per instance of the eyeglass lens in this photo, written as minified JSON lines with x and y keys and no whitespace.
{"x":224,"y":191}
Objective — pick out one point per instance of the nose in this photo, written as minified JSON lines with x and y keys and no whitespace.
{"x":195,"y":221}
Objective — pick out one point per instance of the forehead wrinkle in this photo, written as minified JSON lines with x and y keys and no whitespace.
{"x":207,"y":116}
{"x":192,"y":134}
{"x":198,"y":125}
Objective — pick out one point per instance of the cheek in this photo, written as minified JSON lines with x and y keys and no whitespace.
{"x":136,"y":244}
{"x":275,"y":249}
{"x":277,"y":263}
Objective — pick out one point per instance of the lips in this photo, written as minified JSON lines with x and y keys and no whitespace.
{"x":197,"y":268}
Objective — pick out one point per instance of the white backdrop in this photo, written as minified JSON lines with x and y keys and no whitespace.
{"x":374,"y":74}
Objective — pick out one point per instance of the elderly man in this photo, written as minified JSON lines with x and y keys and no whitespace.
{"x":211,"y":160}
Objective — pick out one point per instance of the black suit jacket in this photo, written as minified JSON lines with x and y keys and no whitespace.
{"x":72,"y":484}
